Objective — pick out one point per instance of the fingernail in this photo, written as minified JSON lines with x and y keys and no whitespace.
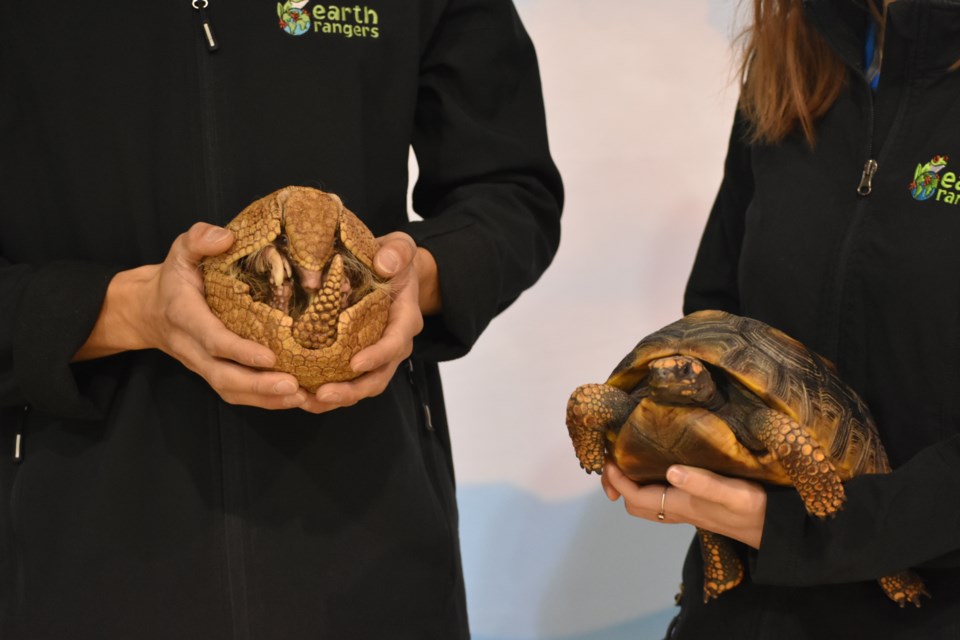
{"x":263,"y":361}
{"x":360,"y":366}
{"x":216,"y":234}
{"x":295,"y":400}
{"x":388,"y":261}
{"x":676,"y":476}
{"x":285,"y":387}
{"x":330,"y":396}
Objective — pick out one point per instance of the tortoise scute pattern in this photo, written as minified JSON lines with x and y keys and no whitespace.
{"x":316,"y":234}
{"x":781,"y":371}
{"x":741,"y":398}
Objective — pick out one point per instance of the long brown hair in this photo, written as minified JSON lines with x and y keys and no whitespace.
{"x":789,"y":75}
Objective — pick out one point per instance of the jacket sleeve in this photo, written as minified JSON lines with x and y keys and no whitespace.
{"x":488,"y":191}
{"x":50,"y":311}
{"x":905,"y":519}
{"x":713,"y":282}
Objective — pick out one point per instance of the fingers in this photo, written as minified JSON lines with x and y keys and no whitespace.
{"x":232,"y":365}
{"x":728,"y":506}
{"x":202,"y":240}
{"x":240,"y":385}
{"x":396,"y":343}
{"x":190,"y":328}
{"x":378,"y":362}
{"x":180,"y":323}
{"x":190,"y":332}
{"x":732,"y":494}
{"x":641,"y":501}
{"x":218,"y":341}
{"x":614,"y":482}
{"x":609,"y":470}
{"x":697,"y":482}
{"x":693,"y":496}
{"x":344,"y":394}
{"x":396,"y":252}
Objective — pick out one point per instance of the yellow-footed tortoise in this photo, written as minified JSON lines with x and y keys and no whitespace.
{"x":740,"y":398}
{"x":299,"y":279}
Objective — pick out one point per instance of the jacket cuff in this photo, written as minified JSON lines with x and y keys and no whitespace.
{"x":469,"y":292}
{"x":55,"y":314}
{"x":784,"y":523}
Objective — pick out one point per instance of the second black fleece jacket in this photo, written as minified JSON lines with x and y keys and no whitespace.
{"x":871,"y":282}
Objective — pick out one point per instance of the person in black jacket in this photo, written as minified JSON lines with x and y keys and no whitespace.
{"x":151,"y":483}
{"x":837,"y":221}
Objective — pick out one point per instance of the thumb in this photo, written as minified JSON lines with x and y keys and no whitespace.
{"x":396,"y":252}
{"x":203,"y":240}
{"x":697,"y":482}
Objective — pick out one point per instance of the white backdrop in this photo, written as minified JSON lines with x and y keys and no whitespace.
{"x":640,"y":97}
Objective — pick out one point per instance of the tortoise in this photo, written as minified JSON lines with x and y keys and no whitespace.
{"x":299,"y":279}
{"x":736,"y":396}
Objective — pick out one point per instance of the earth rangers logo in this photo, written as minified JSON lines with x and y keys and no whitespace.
{"x":351,"y":22}
{"x":928,"y":183}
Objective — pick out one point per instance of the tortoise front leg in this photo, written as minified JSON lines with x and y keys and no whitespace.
{"x":803,"y":458}
{"x":722,"y":568}
{"x":591,"y":411}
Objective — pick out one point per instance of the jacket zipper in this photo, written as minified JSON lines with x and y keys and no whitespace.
{"x":205,"y":26}
{"x":831,"y":318}
{"x":436,"y":470}
{"x":423,"y":402}
{"x":18,"y":437}
{"x":870,"y":167}
{"x":866,"y":178}
{"x":229,"y":434}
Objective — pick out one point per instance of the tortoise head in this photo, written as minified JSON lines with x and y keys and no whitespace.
{"x":593,"y":410}
{"x":681,"y":380}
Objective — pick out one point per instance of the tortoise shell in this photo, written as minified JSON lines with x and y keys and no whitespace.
{"x":774,"y":368}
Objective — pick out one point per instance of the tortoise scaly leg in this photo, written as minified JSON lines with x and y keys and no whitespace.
{"x":722,"y":568}
{"x":803,"y":458}
{"x":904,"y":587}
{"x":591,"y":411}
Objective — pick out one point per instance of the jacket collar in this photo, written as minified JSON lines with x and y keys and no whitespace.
{"x":927,"y":32}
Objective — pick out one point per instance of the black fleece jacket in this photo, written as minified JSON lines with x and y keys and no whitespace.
{"x":141,"y":505}
{"x":869,"y":281}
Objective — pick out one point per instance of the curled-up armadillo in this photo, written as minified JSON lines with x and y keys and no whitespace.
{"x":299,"y":279}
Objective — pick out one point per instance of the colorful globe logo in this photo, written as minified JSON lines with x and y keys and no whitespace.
{"x":926,"y":179}
{"x":293,"y":19}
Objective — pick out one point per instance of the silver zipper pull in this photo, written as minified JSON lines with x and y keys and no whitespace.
{"x":866,"y":180}
{"x":18,"y":439}
{"x":427,"y":417}
{"x":201,"y":7}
